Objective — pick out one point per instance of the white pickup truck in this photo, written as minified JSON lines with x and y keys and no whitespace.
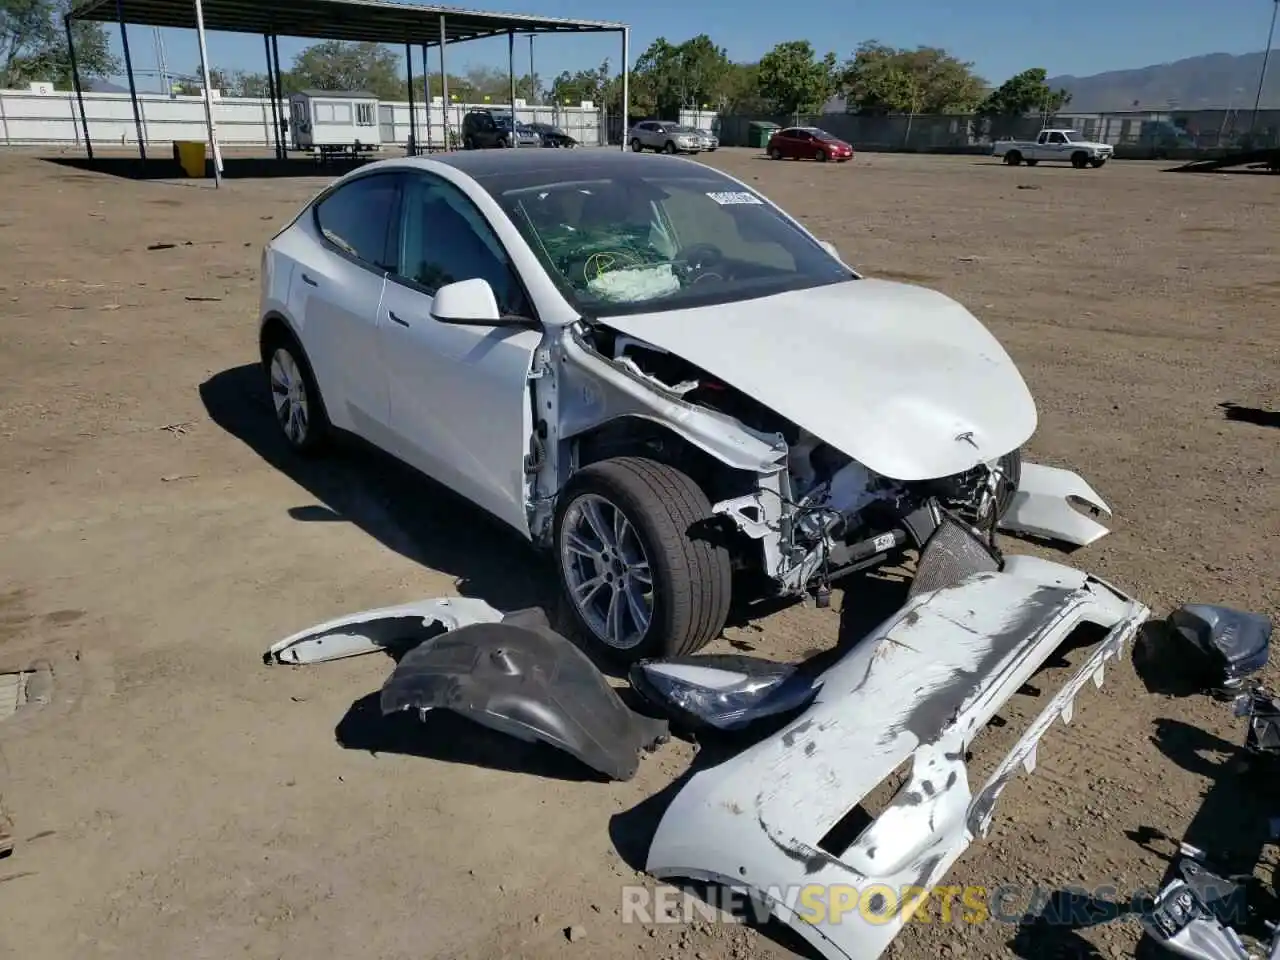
{"x":1054,"y":145}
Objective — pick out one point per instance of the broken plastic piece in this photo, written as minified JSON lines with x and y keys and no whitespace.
{"x":1189,"y":917}
{"x":1262,"y":707}
{"x":522,"y":678}
{"x":725,"y":692}
{"x":373,"y":630}
{"x":1042,"y":507}
{"x":1234,"y":642}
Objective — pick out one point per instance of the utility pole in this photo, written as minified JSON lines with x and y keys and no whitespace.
{"x":1266,"y":55}
{"x":533,"y":82}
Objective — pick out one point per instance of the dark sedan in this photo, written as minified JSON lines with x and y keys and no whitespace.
{"x":553,"y":136}
{"x":808,"y":143}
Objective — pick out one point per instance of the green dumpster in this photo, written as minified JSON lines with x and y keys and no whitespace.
{"x":759,"y":133}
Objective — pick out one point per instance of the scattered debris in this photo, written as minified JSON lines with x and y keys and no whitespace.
{"x":1229,"y":644}
{"x":170,"y":478}
{"x":6,"y":834}
{"x":162,"y":246}
{"x":178,"y":429}
{"x":202,"y":299}
{"x":575,"y":933}
{"x":521,"y":678}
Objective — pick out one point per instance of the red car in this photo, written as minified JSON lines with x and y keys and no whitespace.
{"x":808,"y":143}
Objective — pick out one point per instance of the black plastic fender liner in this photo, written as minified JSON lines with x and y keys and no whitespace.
{"x":521,"y":678}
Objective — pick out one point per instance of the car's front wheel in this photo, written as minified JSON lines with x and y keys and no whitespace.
{"x":295,"y":398}
{"x":638,"y":579}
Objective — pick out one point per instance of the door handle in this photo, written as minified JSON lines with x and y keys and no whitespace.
{"x":307,"y":280}
{"x":396,"y":319}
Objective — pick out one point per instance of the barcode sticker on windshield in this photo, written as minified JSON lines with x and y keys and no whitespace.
{"x":724,"y":199}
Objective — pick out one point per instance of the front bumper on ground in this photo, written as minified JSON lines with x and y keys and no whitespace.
{"x":917,"y":690}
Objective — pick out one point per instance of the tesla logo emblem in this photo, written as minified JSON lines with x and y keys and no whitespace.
{"x":966,"y":437}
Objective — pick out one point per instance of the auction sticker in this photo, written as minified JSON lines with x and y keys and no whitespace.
{"x":730,"y":197}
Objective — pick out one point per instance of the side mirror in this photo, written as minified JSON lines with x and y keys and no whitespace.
{"x":471,"y":303}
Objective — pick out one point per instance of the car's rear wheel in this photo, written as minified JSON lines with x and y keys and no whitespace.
{"x":295,"y":397}
{"x":469,"y":143}
{"x":775,"y":154}
{"x":1013,"y":158}
{"x":636,"y":145}
{"x":638,"y":580}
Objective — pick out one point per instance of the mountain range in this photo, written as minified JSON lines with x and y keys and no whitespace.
{"x":1213,"y":81}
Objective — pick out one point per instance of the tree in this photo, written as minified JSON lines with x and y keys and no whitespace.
{"x":793,"y":81}
{"x":881,"y":79}
{"x":573,"y":88}
{"x":232,"y":83}
{"x":1023,"y":94}
{"x":33,"y":45}
{"x":347,"y":65}
{"x":677,"y":76}
{"x":741,"y":90}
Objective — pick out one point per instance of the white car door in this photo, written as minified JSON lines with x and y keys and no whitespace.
{"x":336,"y":291}
{"x":461,"y":406}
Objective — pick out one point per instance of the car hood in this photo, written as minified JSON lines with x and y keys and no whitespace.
{"x":900,"y":378}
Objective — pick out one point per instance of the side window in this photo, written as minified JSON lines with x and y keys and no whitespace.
{"x":358,"y":216}
{"x":364,"y":114}
{"x":444,"y":239}
{"x":1057,"y":138}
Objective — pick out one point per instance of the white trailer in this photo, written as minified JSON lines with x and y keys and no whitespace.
{"x":334,"y":122}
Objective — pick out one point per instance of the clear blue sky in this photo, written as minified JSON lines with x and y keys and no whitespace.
{"x":1000,"y":36}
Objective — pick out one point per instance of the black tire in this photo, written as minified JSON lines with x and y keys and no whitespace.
{"x":1032,"y":163}
{"x":691,"y":576}
{"x":821,"y":156}
{"x":671,"y":147}
{"x":1011,"y":467}
{"x":318,"y":432}
{"x":1013,"y":158}
{"x":1079,"y":160}
{"x":775,"y":154}
{"x":468,"y":143}
{"x":1097,"y":162}
{"x":636,"y":145}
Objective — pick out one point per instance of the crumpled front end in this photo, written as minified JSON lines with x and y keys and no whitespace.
{"x":912,"y":695}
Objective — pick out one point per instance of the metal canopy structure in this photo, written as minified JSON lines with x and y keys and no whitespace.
{"x":376,"y":21}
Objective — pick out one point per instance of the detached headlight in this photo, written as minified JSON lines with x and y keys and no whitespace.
{"x":722,"y":692}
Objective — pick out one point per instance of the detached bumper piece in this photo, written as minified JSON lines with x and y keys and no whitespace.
{"x":912,"y":695}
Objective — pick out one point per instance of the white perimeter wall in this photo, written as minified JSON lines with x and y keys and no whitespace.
{"x":32,"y":118}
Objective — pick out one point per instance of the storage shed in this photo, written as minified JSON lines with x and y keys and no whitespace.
{"x":327,"y":122}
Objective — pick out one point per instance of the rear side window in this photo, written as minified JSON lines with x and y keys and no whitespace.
{"x":357,"y":219}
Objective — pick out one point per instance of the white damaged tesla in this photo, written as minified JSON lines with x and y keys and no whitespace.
{"x":644,"y":366}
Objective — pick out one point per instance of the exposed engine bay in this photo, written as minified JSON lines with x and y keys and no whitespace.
{"x":827,"y":513}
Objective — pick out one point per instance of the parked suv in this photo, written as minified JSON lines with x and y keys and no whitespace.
{"x":485,"y":128}
{"x":669,"y":137}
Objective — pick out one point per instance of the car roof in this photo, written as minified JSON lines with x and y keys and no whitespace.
{"x":585,"y":164}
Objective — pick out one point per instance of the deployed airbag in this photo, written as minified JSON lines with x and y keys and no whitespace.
{"x":521,"y":678}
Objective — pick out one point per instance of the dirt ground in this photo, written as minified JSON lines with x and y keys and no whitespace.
{"x":175,"y":798}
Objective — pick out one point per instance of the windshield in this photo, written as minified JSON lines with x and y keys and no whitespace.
{"x":636,"y":244}
{"x":821,"y":134}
